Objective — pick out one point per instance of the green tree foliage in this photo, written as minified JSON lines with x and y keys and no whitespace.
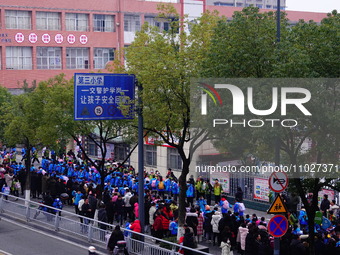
{"x":5,"y":98}
{"x":163,"y":63}
{"x":247,"y":47}
{"x":22,"y":122}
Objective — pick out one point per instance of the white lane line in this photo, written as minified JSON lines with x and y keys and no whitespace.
{"x":49,"y":235}
{"x":5,"y":253}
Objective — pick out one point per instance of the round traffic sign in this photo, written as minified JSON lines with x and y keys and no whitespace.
{"x":278,"y":226}
{"x":278,"y":181}
{"x":98,"y":110}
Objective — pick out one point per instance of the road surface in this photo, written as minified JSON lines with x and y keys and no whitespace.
{"x":16,"y":238}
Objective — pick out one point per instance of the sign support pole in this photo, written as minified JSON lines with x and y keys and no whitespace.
{"x":141,"y":204}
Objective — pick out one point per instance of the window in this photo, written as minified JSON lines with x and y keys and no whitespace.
{"x":102,"y":56}
{"x":150,"y":155}
{"x":162,"y":24}
{"x":259,"y":6}
{"x":131,"y":23}
{"x":93,"y":149}
{"x":48,"y":20}
{"x":48,"y":58}
{"x":239,"y":4}
{"x":103,"y":23}
{"x":223,"y":4}
{"x":77,"y":22}
{"x":121,"y":151}
{"x":18,"y":19}
{"x":174,"y":159}
{"x":19,"y":58}
{"x":77,"y":58}
{"x":268,"y":6}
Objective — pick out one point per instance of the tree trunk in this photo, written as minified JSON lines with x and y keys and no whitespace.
{"x":182,"y":192}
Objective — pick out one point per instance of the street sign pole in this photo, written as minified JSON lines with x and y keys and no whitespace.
{"x":141,"y":205}
{"x":277,"y":145}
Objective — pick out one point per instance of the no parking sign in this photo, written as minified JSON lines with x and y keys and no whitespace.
{"x":278,"y":226}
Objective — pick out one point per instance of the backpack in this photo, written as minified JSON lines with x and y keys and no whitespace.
{"x":17,"y":185}
{"x":6,"y":190}
{"x":153,"y":183}
{"x":225,"y":205}
{"x":161,"y":185}
{"x":241,"y":207}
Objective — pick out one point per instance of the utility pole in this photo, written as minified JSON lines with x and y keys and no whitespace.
{"x":277,"y":142}
{"x":141,"y":205}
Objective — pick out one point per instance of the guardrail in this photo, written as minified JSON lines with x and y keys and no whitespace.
{"x":71,"y":223}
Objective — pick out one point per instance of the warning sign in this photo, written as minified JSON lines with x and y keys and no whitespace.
{"x":277,"y":206}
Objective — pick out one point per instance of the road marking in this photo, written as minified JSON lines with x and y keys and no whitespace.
{"x":49,"y":235}
{"x":5,"y":253}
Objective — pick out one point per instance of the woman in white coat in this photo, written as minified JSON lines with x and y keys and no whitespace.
{"x":214,"y":223}
{"x":241,"y":237}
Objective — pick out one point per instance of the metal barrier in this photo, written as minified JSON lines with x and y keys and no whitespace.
{"x":83,"y":227}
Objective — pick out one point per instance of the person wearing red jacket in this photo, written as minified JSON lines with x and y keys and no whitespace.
{"x":165,"y":224}
{"x":136,"y":227}
{"x":158,"y":226}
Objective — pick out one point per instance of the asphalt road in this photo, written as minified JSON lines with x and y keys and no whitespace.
{"x":18,"y":239}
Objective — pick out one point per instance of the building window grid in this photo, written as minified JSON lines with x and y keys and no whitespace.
{"x":93,"y":149}
{"x":48,"y":58}
{"x":103,"y":23}
{"x":77,"y":58}
{"x":18,"y":19}
{"x":120,"y":151}
{"x":18,"y":58}
{"x":77,"y":21}
{"x":131,"y":23}
{"x":48,"y":20}
{"x":162,"y":24}
{"x":102,"y":56}
{"x":174,"y":159}
{"x":150,"y":155}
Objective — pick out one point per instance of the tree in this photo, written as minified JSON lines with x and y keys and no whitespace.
{"x":247,"y":47}
{"x":22,"y":124}
{"x":163,"y":63}
{"x":5,"y":98}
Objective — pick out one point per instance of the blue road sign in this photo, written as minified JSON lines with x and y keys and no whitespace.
{"x":98,"y":96}
{"x":278,"y":226}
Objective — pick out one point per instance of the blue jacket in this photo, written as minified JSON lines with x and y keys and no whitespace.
{"x":190,"y":190}
{"x":77,"y":197}
{"x":201,"y":203}
{"x":167,"y":185}
{"x":174,"y":188}
{"x":173,"y":227}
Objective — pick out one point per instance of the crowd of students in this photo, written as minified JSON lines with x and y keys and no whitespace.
{"x":210,"y":217}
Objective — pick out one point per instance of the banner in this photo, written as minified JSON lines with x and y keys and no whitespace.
{"x":261,"y":189}
{"x":223,"y":179}
{"x":323,"y":192}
